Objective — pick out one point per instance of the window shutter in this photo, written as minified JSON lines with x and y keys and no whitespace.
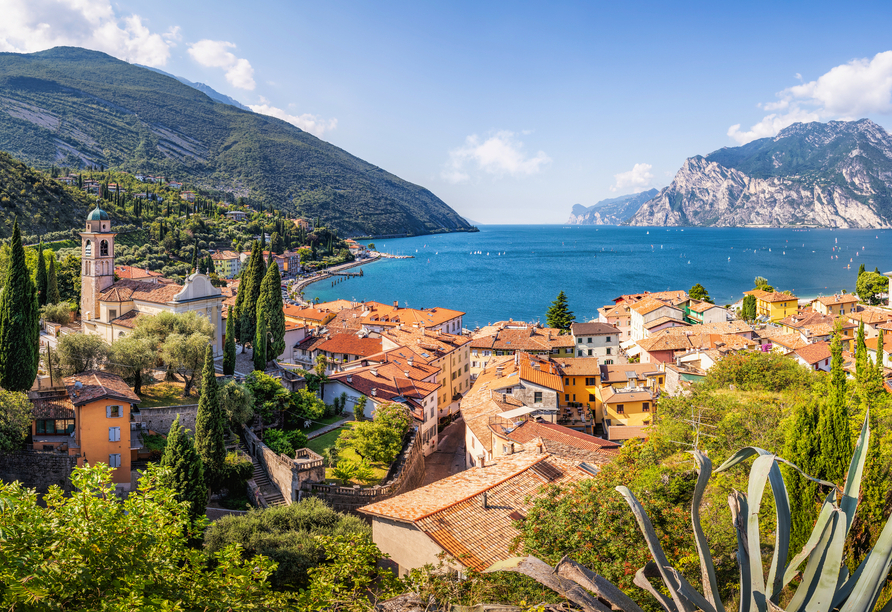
{"x":108,"y":412}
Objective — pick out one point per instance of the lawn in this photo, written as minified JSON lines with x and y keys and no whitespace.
{"x":317,"y":445}
{"x":323,"y":422}
{"x":165,"y":394}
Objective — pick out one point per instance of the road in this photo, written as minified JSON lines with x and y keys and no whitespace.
{"x":449,"y":458}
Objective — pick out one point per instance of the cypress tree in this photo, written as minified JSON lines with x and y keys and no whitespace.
{"x":270,"y":308}
{"x":803,"y":448}
{"x":559,"y":315}
{"x":836,"y":434}
{"x":19,"y":322}
{"x":259,"y":347}
{"x":209,"y":425}
{"x":210,"y":265}
{"x":229,"y":346}
{"x":195,"y":256}
{"x":863,"y":370}
{"x":186,"y":473}
{"x":250,"y":286}
{"x":52,"y":284}
{"x":41,"y":276}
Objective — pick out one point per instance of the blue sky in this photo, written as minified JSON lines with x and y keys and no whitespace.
{"x":510,"y":112}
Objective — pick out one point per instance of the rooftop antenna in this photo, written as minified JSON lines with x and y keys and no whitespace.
{"x":696,"y":423}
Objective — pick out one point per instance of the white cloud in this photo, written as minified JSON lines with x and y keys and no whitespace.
{"x":638,"y":177}
{"x":500,"y":154}
{"x":35,"y":25}
{"x":308,"y":123}
{"x":215,"y":54}
{"x":849,"y":91}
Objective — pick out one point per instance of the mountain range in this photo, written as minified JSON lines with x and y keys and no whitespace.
{"x":613,"y":211}
{"x":836,"y":174}
{"x":74,"y":107}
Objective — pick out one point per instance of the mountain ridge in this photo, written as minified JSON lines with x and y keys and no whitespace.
{"x":835,"y":174}
{"x":73,"y":107}
{"x":611,"y":211}
{"x":209,"y":91}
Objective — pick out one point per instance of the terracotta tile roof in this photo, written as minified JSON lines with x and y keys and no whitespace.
{"x":128,"y":319}
{"x":887,"y":326}
{"x":224,"y":255}
{"x":338,"y":306}
{"x":97,"y":385}
{"x":610,"y":396}
{"x":389,"y":380}
{"x":386,"y":315}
{"x":426,"y":341}
{"x":618,"y":432}
{"x":57,"y":407}
{"x":813,"y":353}
{"x":529,"y":430}
{"x":789,"y":341}
{"x":819,"y":329}
{"x":593,"y":329}
{"x":771,"y":296}
{"x":130,"y":272}
{"x":132,"y":290}
{"x":663,"y":320}
{"x":665,"y":342}
{"x":870,"y":316}
{"x":309,"y":314}
{"x":478,"y":404}
{"x":615,"y":310}
{"x":526,"y":339}
{"x":697,"y":306}
{"x":540,"y":372}
{"x":674,"y":296}
{"x":578,"y":366}
{"x":831,"y":300}
{"x":648,"y":305}
{"x":350,"y":344}
{"x":806,"y":317}
{"x":611,"y":374}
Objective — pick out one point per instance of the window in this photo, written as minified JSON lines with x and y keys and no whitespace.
{"x":88,"y":251}
{"x":103,"y":248}
{"x":566,"y":397}
{"x":57,"y":427}
{"x":114,"y":434}
{"x":113,"y":412}
{"x":114,"y":460}
{"x":590,"y":352}
{"x":466,"y":367}
{"x":509,"y":390}
{"x":487,"y":353}
{"x":646,"y":406}
{"x":608,"y":338}
{"x":574,"y":397}
{"x":589,"y":340}
{"x":608,"y":362}
{"x":660,"y":380}
{"x":112,"y":314}
{"x":567,"y":381}
{"x":537,"y":397}
{"x":579,"y":340}
{"x":621,"y":409}
{"x":609,"y":351}
{"x":579,"y":353}
{"x":590,"y":381}
{"x":474,"y":352}
{"x":591,"y":397}
{"x":504,"y":449}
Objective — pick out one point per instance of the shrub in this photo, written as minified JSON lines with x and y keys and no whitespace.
{"x":285,"y":442}
{"x":345,"y":470}
{"x":237,"y":471}
{"x":285,"y":534}
{"x":57,"y":313}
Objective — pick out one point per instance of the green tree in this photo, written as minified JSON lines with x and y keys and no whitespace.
{"x":250,"y":283}
{"x":803,"y":448}
{"x":209,"y":425}
{"x":285,"y":442}
{"x":97,"y":552}
{"x":130,"y":356}
{"x":861,"y":270}
{"x":237,"y":403}
{"x":19,"y":322}
{"x":699,"y":292}
{"x":259,"y":349}
{"x":185,"y":474}
{"x":761,"y":284}
{"x":870,"y":285}
{"x":185,"y":354}
{"x":270,"y":309}
{"x":559,"y":315}
{"x":836,"y":434}
{"x":81,"y":352}
{"x":381,"y":439}
{"x":52,"y":283}
{"x":229,"y":346}
{"x":57,"y":313}
{"x":748,"y":312}
{"x":41,"y":275}
{"x":359,"y":408}
{"x":15,"y":419}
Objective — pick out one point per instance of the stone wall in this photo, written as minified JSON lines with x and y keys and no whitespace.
{"x":288,"y":475}
{"x":406,"y":474}
{"x":37,"y":469}
{"x":161,"y":418}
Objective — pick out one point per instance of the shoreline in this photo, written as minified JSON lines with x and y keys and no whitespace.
{"x":298,"y":287}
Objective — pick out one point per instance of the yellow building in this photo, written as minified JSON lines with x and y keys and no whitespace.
{"x":226,"y":263}
{"x":836,"y":304}
{"x":581,"y":377}
{"x":773,"y":305}
{"x":627,"y":407}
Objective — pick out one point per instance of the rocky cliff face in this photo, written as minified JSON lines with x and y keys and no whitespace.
{"x":613,"y":211}
{"x":837,"y":174}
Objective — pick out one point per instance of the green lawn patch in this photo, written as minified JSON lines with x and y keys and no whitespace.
{"x":323,"y":422}
{"x":317,"y":445}
{"x":165,"y":394}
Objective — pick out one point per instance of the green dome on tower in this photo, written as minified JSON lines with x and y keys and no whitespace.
{"x":97,"y":214}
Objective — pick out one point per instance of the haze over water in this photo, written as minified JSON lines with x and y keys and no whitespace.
{"x":594,"y":264}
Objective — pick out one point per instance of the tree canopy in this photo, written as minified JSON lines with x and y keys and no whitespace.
{"x":559,"y":315}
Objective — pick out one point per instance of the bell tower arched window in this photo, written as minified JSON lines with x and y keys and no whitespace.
{"x":88,"y":249}
{"x":103,"y":248}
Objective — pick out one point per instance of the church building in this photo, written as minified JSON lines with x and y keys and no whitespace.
{"x":109,"y":308}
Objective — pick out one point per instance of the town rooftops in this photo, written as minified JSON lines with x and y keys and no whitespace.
{"x":870,"y":316}
{"x":350,"y":344}
{"x":133,"y":273}
{"x":611,"y":396}
{"x":814,"y":353}
{"x":309,"y":314}
{"x":771,"y":296}
{"x":385,"y":315}
{"x":145,"y":291}
{"x":529,"y":430}
{"x":94,"y":385}
{"x":593,"y":329}
{"x":649,"y":305}
{"x":831,"y":300}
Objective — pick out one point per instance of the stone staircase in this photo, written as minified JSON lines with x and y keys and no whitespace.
{"x":270,"y":492}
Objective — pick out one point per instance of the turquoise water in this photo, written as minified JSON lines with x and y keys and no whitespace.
{"x":594,"y":264}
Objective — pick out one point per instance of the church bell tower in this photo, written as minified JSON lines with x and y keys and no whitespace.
{"x":97,"y":262}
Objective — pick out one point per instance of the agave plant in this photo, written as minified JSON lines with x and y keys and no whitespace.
{"x":825,"y":583}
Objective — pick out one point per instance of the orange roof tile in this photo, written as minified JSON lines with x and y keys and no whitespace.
{"x":813,"y":353}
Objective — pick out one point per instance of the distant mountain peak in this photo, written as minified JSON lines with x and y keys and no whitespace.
{"x":207,"y":90}
{"x":612,"y":211}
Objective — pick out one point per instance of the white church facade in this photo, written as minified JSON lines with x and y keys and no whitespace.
{"x":109,"y":309}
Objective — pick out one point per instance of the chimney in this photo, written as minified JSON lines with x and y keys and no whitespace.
{"x":396,"y":304}
{"x":349,"y":379}
{"x":423,"y":330}
{"x":375,"y":372}
{"x":539,"y":448}
{"x":499,"y":370}
{"x":485,"y":500}
{"x":406,"y":372}
{"x":411,"y":361}
{"x":481,"y":458}
{"x":374,"y":391}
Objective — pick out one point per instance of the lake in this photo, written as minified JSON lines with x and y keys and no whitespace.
{"x":515,"y":271}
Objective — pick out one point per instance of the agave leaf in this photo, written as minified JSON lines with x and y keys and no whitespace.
{"x":873,"y":575}
{"x":653,"y":543}
{"x":775,"y":580}
{"x":849,"y":503}
{"x":828,"y":578}
{"x":739,"y":511}
{"x":814,"y":568}
{"x":845,"y":589}
{"x":813,"y":539}
{"x":758,"y":477}
{"x":707,"y":568}
{"x":742,"y":455}
{"x":689,"y":592}
{"x":642,"y":582}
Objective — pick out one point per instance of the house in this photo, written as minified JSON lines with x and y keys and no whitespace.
{"x":449,"y":352}
{"x":109,"y":308}
{"x":338,"y":349}
{"x":626,"y":408}
{"x":835,"y":304}
{"x":305,"y":224}
{"x":595,"y":340}
{"x":513,"y":435}
{"x":412,"y":384}
{"x":175,"y":185}
{"x":189,"y":196}
{"x":618,"y":315}
{"x":774,"y":306}
{"x":510,"y":337}
{"x":581,"y":378}
{"x":468,"y":517}
{"x":814,"y":356}
{"x":237,"y":215}
{"x":704,"y":312}
{"x":379,"y":317}
{"x":311,"y":317}
{"x":652,"y":309}
{"x":227,"y":264}
{"x":88,"y":417}
{"x":873,"y":318}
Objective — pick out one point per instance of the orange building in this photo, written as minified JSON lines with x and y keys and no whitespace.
{"x":89,"y":418}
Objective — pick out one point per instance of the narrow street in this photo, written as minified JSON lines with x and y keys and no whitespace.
{"x":449,"y":458}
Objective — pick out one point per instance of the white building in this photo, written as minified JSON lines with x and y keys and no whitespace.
{"x":595,"y":340}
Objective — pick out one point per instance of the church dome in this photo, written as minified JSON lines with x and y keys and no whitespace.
{"x":97,"y":214}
